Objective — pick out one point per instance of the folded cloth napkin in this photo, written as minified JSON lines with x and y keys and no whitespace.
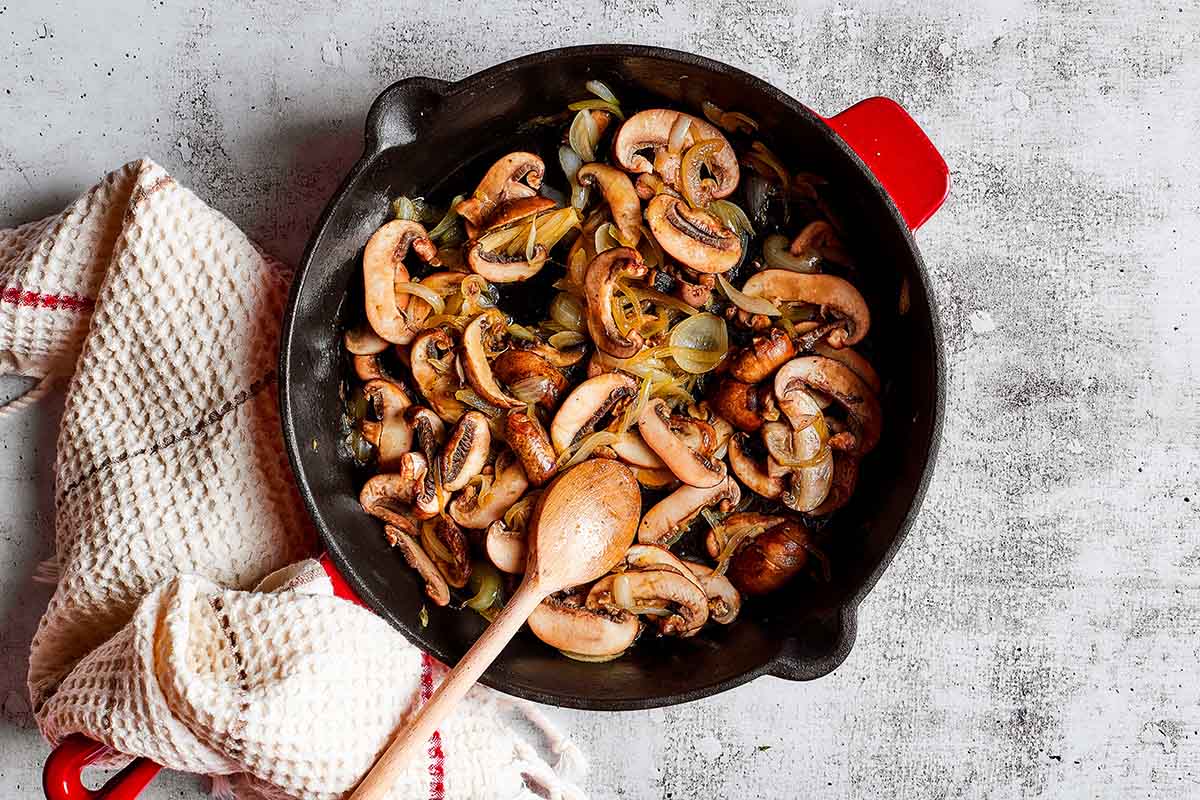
{"x":177,"y":630}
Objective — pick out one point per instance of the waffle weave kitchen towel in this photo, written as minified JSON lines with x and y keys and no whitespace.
{"x":186,"y":625}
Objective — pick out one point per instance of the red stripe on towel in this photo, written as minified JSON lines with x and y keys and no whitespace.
{"x":15,"y":295}
{"x":437,"y":759}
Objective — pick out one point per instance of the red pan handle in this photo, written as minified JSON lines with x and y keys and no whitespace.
{"x":62,"y":775}
{"x":895,"y":148}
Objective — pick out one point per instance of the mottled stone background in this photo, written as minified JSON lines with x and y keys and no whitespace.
{"x":1039,"y":632}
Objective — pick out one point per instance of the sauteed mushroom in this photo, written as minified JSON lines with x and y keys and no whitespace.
{"x":383,"y":267}
{"x":436,"y":383}
{"x":771,"y":559}
{"x":599,"y":283}
{"x":466,"y":451}
{"x":514,"y":176}
{"x":530,"y":378}
{"x":476,"y":510}
{"x":742,"y":526}
{"x":587,"y":405}
{"x":694,"y":237}
{"x":691,"y":467}
{"x":839,"y":381}
{"x":724,"y":600}
{"x":828,"y":291}
{"x":620,"y":195}
{"x":595,"y":633}
{"x":505,"y":548}
{"x":745,"y":406}
{"x":651,"y":130}
{"x":394,"y":435}
{"x":819,"y":237}
{"x":748,"y":471}
{"x":388,"y":495}
{"x":362,"y":341}
{"x":478,"y":370}
{"x":655,"y":590}
{"x":435,"y":583}
{"x":529,"y":441}
{"x":765,"y":354}
{"x":502,"y":268}
{"x":663,"y":523}
{"x":446,"y":545}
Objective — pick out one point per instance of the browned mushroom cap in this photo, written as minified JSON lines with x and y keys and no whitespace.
{"x":503,"y":268}
{"x":771,"y":559}
{"x":505,"y":548}
{"x":586,"y":405}
{"x":388,"y":495}
{"x":620,"y":195}
{"x":749,"y":472}
{"x":553,"y":355}
{"x":744,"y":405}
{"x":431,"y":362}
{"x":389,"y":401}
{"x":514,"y":176}
{"x":435,"y":584}
{"x":362,"y":341}
{"x":845,"y":476}
{"x":692,"y":236}
{"x":528,"y":439}
{"x":466,"y":451}
{"x":487,"y":328}
{"x":530,"y":378}
{"x":743,"y":525}
{"x":690,"y":466}
{"x":828,"y":291}
{"x":765,"y":354}
{"x":651,"y":130}
{"x":854,"y":360}
{"x":648,"y":591}
{"x":446,"y":545}
{"x":512,"y":210}
{"x":595,"y":633}
{"x":476,"y":510}
{"x":840,"y":382}
{"x":819,"y":237}
{"x":724,"y":600}
{"x":383,"y":267}
{"x":668,"y":519}
{"x":366,"y":367}
{"x":599,"y":284}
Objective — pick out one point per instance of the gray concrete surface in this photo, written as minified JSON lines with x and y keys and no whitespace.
{"x":1038,"y":635}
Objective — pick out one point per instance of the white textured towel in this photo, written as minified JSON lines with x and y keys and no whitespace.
{"x":174,"y":499}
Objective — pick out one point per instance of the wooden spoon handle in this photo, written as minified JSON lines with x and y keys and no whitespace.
{"x":460,"y":680}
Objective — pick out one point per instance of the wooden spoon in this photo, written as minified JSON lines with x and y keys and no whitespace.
{"x":581,"y":528}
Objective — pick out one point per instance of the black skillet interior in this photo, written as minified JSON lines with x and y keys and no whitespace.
{"x":426,"y":137}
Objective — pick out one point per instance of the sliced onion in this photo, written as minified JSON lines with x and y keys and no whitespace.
{"x":569,"y":458}
{"x":775,"y":253}
{"x":699,"y":343}
{"x":731,"y":546}
{"x":606,"y":237}
{"x":448,"y":226}
{"x":650,"y":249}
{"x":404,"y":208}
{"x":531,"y":240}
{"x":469,"y":397}
{"x":565,"y":340}
{"x":712,"y":111}
{"x":635,"y":409}
{"x":431,"y":297}
{"x":485,"y":583}
{"x":601,"y":90}
{"x":732,"y":215}
{"x":763,"y":153}
{"x":664,"y":300}
{"x":432,"y":544}
{"x":583,"y":134}
{"x":567,"y":310}
{"x":751,"y":305}
{"x":532,"y":388}
{"x":597,"y":105}
{"x":521,"y":332}
{"x":570,"y":162}
{"x":679,"y":132}
{"x":622,"y":592}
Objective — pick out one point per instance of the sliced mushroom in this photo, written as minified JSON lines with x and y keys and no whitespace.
{"x":435,"y":584}
{"x":503,"y":268}
{"x":586,"y":405}
{"x":599,"y":284}
{"x":828,"y":291}
{"x":514,"y":176}
{"x":620,"y":195}
{"x":743,"y":525}
{"x":530,"y":378}
{"x":512,"y":210}
{"x":657,"y":479}
{"x":430,"y":497}
{"x":505,"y":548}
{"x":744,"y":405}
{"x":765,"y":354}
{"x":845,"y":476}
{"x":383,"y":267}
{"x":652,"y":556}
{"x":667,"y":520}
{"x":475,"y":340}
{"x":437,"y":383}
{"x":389,"y":402}
{"x":475,"y":510}
{"x":446,"y":545}
{"x":810,"y":484}
{"x":388,"y":495}
{"x":724,"y":600}
{"x":692,"y":236}
{"x":528,"y":439}
{"x":819,"y":237}
{"x":749,"y":472}
{"x":854,"y":360}
{"x":844,"y":385}
{"x":362,"y":341}
{"x":565,"y":624}
{"x":552,"y":355}
{"x":631,"y":448}
{"x":366,"y":367}
{"x":690,"y":466}
{"x":647,"y":591}
{"x":466,"y":451}
{"x":651,"y":130}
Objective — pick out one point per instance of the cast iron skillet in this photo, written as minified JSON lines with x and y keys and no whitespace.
{"x":428,"y":137}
